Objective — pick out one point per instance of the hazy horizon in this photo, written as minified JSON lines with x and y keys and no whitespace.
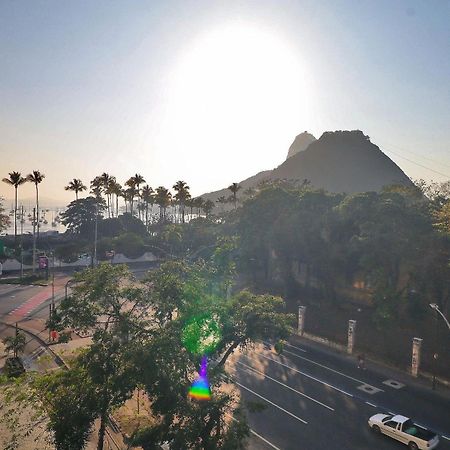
{"x":214,"y":92}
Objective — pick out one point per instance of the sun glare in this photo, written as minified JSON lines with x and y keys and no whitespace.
{"x":233,"y":85}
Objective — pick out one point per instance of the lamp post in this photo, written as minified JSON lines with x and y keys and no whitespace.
{"x":66,"y":287}
{"x":436,"y":308}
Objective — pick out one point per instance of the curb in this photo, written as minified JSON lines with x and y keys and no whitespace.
{"x":343,"y":349}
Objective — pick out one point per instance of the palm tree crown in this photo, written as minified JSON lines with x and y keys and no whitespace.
{"x":76,"y":185}
{"x":162,"y":198}
{"x":182,"y":195}
{"x":15,"y":179}
{"x":234,"y":188}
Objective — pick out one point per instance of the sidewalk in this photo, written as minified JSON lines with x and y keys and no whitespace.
{"x":423,"y":382}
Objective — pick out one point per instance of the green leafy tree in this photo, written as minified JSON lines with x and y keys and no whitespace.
{"x":185,"y":299}
{"x":80,"y":215}
{"x":68,"y":399}
{"x":15,"y":344}
{"x":106,"y":304}
{"x":130,"y":244}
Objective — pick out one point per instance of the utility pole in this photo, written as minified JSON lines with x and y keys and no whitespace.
{"x":435,"y":354}
{"x":34,"y":240}
{"x":21,"y":243}
{"x":95,"y":233}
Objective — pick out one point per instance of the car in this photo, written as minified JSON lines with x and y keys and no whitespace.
{"x":403,"y":429}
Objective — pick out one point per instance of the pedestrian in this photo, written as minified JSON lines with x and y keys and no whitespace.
{"x":361,"y":361}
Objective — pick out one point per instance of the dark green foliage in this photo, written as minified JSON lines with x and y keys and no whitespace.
{"x":126,"y":223}
{"x":70,"y":251}
{"x":79,"y":217}
{"x":13,"y":367}
{"x":130,"y":244}
{"x":71,"y":404}
{"x":104,"y":246}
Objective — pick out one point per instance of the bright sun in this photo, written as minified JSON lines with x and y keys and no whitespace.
{"x":234,"y":83}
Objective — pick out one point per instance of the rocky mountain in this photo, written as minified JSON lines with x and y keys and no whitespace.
{"x":301,"y":143}
{"x":340,"y":161}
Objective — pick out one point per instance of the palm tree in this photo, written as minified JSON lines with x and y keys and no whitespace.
{"x":15,"y":344}
{"x":182,"y":194}
{"x":15,"y":179}
{"x":97,"y":186}
{"x":234,"y":188}
{"x":147,"y":197}
{"x":115,"y":188}
{"x":138,"y":180}
{"x":162,"y":198}
{"x":36,"y":177}
{"x":76,"y":185}
{"x":106,"y":179}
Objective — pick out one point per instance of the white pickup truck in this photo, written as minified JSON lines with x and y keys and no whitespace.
{"x":404,"y":430}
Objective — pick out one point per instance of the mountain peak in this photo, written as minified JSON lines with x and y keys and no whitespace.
{"x":301,"y":143}
{"x":339,"y":161}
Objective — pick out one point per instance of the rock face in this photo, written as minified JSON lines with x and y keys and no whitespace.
{"x":301,"y":143}
{"x":340,"y":161}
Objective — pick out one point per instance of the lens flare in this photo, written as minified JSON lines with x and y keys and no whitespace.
{"x":200,"y":387}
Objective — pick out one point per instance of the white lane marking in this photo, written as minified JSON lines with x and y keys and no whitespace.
{"x":306,"y":375}
{"x":329,"y":368}
{"x":256,"y":434}
{"x":264,"y":439}
{"x":287,"y":387}
{"x":371,"y":404}
{"x":272,"y":403}
{"x":285,"y":343}
{"x":293,"y":346}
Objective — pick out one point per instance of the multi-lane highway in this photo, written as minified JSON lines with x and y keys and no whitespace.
{"x":316,"y":399}
{"x":313,"y":397}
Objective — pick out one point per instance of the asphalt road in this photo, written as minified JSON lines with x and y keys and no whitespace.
{"x":13,"y":297}
{"x":315,"y":399}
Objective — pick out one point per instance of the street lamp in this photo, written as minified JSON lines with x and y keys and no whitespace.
{"x":435,"y":355}
{"x":66,"y":287}
{"x":436,"y":308}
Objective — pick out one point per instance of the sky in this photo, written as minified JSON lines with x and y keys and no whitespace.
{"x":212,"y":92}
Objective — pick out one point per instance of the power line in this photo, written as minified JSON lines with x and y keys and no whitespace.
{"x":418,"y":164}
{"x":416,"y":154}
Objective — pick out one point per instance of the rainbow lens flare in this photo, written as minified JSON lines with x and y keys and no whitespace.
{"x":200,"y":387}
